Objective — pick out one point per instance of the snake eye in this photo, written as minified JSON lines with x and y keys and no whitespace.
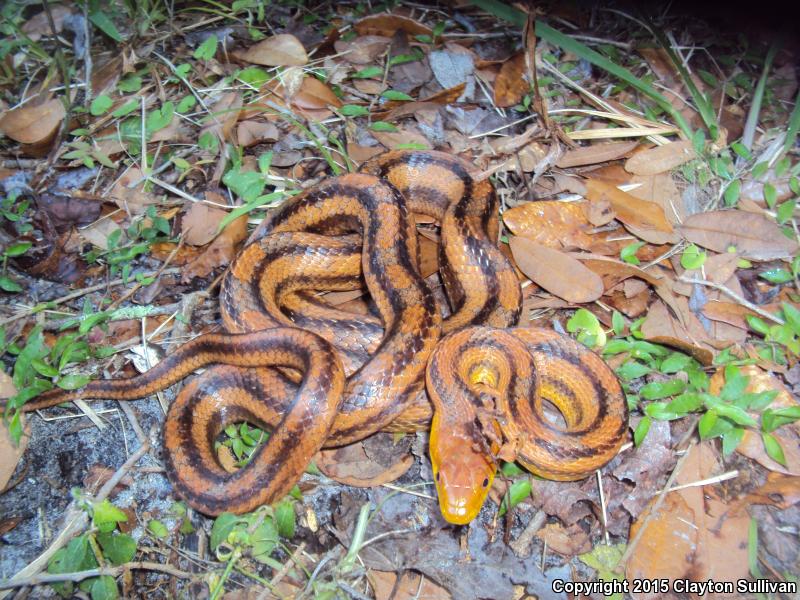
{"x":485,"y":481}
{"x":438,"y":476}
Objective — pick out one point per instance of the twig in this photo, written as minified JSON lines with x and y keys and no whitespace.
{"x":730,"y":293}
{"x":82,"y":292}
{"x":634,"y":542}
{"x":76,"y":520}
{"x":81,"y":575}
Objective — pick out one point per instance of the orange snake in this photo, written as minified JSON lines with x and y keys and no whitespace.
{"x":487,"y":384}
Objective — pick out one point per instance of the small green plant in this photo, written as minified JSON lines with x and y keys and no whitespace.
{"x":103,"y":544}
{"x":256,"y":535}
{"x":119,"y":254}
{"x":588,"y":329}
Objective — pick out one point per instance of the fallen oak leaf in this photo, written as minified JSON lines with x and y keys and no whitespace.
{"x":387,"y":25}
{"x":661,"y":159}
{"x":647,"y":218}
{"x":595,"y":153}
{"x":33,"y":123}
{"x":282,"y":50}
{"x":556,"y":271}
{"x":753,"y":236}
{"x":220,"y":252}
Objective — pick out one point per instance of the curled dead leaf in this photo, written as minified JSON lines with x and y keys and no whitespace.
{"x":510,"y":85}
{"x":556,"y":271}
{"x":551,"y":223}
{"x":661,"y":159}
{"x":283,"y":50}
{"x":33,"y":123}
{"x":387,"y":25}
{"x":200,"y":223}
{"x":647,"y":218}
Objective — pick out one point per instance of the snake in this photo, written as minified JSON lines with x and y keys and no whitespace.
{"x":317,"y":377}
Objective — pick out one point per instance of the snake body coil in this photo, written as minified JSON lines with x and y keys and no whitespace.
{"x":487,"y":384}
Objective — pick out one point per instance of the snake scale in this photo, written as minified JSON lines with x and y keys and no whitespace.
{"x":478,"y":382}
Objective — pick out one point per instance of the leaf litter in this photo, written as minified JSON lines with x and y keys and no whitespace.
{"x":673,"y":252}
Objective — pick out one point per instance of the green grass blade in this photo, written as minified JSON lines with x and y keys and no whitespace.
{"x":565,"y":42}
{"x":702,"y":103}
{"x":501,"y":10}
{"x":794,"y":126}
{"x":758,"y":97}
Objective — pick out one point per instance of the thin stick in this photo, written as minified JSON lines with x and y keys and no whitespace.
{"x":634,"y":542}
{"x":81,"y":575}
{"x":730,"y":293}
{"x":76,"y":520}
{"x":83,"y":292}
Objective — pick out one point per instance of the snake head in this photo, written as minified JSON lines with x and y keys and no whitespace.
{"x":462,"y":469}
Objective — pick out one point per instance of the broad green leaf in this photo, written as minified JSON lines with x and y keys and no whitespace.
{"x":662,"y":389}
{"x":223,"y":525}
{"x":104,"y":588}
{"x":518,"y":491}
{"x":207,"y":49}
{"x":628,"y":253}
{"x":105,"y":516}
{"x":693,"y":257}
{"x":731,"y":440}
{"x":157,"y":528}
{"x":641,"y":430}
{"x":354,"y":110}
{"x":368,"y":73}
{"x":100,"y":105}
{"x":773,"y":448}
{"x":119,"y":548}
{"x":396,"y":96}
{"x":382,"y":126}
{"x":776,"y":275}
{"x":72,"y":381}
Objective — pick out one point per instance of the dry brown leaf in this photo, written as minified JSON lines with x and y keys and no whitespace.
{"x":662,"y":190}
{"x":351,"y":465}
{"x":315,"y":95}
{"x":39,"y":24}
{"x":645,"y":219}
{"x":220,"y":252}
{"x":364,"y":49}
{"x":551,"y":223}
{"x":557,"y":272}
{"x":387,"y":25}
{"x":393,"y":139}
{"x":662,"y":328}
{"x":412,"y":586}
{"x":661,"y":159}
{"x":283,"y":50}
{"x":200,"y":223}
{"x":33,"y":123}
{"x":568,"y":541}
{"x":753,"y":236}
{"x":404,"y":109}
{"x":670,"y":533}
{"x":752,"y":445}
{"x":595,"y":153}
{"x":97,"y":233}
{"x":132,"y":199}
{"x":510,"y":85}
{"x":250,"y":133}
{"x":10,"y":453}
{"x":779,"y":490}
{"x":727,"y":312}
{"x":613,"y":271}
